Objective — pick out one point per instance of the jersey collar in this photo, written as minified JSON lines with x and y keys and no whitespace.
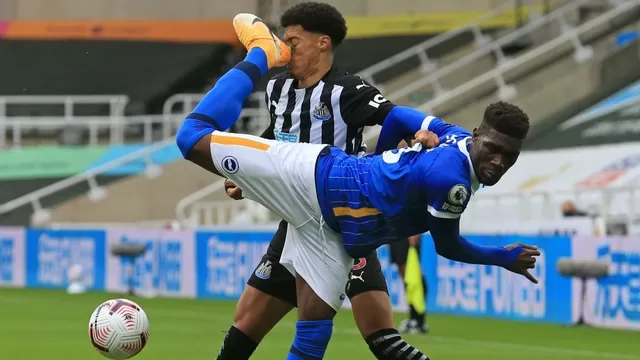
{"x":464,"y":148}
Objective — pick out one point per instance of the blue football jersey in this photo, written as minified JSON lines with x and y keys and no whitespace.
{"x":378,"y":199}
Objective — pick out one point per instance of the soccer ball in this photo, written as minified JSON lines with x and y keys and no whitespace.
{"x":119,"y":329}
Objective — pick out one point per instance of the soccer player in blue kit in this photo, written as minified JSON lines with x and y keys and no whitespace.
{"x":341,"y":207}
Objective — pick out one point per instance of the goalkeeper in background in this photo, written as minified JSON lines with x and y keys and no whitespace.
{"x":406,"y":255}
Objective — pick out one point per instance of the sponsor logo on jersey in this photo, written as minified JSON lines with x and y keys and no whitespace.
{"x":321,"y":112}
{"x":264,"y":270}
{"x":452,"y":208}
{"x":286,"y":137}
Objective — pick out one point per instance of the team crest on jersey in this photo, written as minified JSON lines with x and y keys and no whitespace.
{"x":458,"y":194}
{"x":230,"y":165}
{"x":264,"y":270}
{"x":321,"y":112}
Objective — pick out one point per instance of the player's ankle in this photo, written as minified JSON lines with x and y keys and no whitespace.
{"x":258,"y":57}
{"x":236,"y":346}
{"x":388,"y":344}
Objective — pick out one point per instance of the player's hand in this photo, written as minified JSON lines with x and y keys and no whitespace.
{"x":426,"y":138}
{"x":233,"y":191}
{"x":526,"y":260}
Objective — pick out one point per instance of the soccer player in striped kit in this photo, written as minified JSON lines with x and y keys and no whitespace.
{"x":315,"y":102}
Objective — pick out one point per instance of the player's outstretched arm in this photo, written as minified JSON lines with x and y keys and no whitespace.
{"x":448,"y":243}
{"x":403,"y":122}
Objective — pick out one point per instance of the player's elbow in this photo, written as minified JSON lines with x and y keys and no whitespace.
{"x":447,"y":247}
{"x":446,"y":251}
{"x":183,"y":140}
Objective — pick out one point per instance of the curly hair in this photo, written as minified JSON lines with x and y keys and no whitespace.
{"x":318,"y":18}
{"x":506,"y":118}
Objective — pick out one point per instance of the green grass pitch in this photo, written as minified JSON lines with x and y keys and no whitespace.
{"x":42,"y":324}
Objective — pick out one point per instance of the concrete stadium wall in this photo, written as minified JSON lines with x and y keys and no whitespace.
{"x":123,"y":9}
{"x":204,"y":9}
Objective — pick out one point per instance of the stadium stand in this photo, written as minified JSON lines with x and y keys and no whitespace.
{"x":393,"y":72}
{"x":471,"y":52}
{"x":118,"y":9}
{"x":471,"y":73}
{"x":152,"y":100}
{"x":564,"y":49}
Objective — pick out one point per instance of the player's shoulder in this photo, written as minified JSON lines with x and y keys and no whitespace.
{"x":450,"y":178}
{"x":449,"y":153}
{"x":450,"y":166}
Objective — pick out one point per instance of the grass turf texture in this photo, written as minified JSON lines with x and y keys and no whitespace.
{"x":43,"y":324}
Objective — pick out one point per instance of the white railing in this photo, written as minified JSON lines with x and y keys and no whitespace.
{"x":96,"y":192}
{"x":186,"y":215}
{"x":141,"y":127}
{"x":494,"y":48}
{"x":226,"y":212}
{"x":116,"y":103}
{"x":184,"y":103}
{"x":427,"y":64}
{"x":117,"y":127}
{"x":67,"y":103}
{"x":582,"y":54}
{"x":14,"y":128}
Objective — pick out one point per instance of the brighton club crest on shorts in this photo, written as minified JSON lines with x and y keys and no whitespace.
{"x":321,"y":112}
{"x":264,"y":270}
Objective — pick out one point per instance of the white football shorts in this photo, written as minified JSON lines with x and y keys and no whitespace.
{"x":281,"y":177}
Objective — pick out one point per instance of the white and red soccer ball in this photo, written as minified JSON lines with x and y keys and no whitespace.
{"x":119,"y":329}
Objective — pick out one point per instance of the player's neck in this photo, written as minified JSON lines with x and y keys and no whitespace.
{"x":308,"y":81}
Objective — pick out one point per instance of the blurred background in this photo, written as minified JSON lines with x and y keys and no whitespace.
{"x":93,"y":91}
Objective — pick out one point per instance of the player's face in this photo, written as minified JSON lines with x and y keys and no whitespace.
{"x":492,"y":154}
{"x":306,"y":50}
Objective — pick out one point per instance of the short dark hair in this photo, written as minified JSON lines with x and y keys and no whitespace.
{"x":317,"y":18}
{"x":506,"y":118}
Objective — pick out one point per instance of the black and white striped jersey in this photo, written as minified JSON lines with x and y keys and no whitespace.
{"x":333,"y":112}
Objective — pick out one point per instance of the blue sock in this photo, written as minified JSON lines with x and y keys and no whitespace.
{"x":222,"y":105}
{"x":312,"y":338}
